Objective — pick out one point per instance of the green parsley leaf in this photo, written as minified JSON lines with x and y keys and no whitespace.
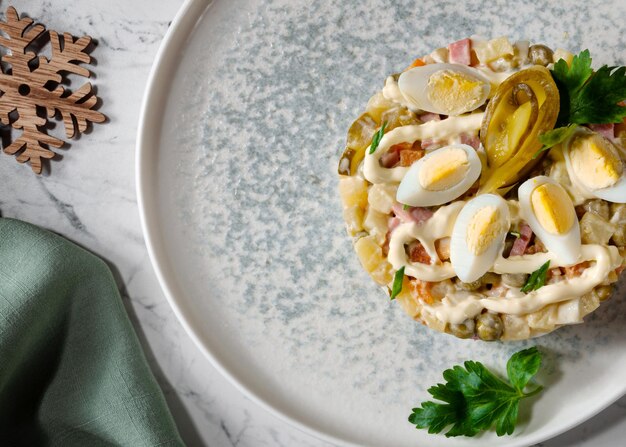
{"x":554,"y":137}
{"x":377,"y":137}
{"x":597,"y":101}
{"x":537,"y":278}
{"x":474,"y":399}
{"x":397,"y":283}
{"x":569,"y":80}
{"x":522,"y":366}
{"x":588,"y":96}
{"x":515,"y":234}
{"x":575,"y":76}
{"x":405,"y":207}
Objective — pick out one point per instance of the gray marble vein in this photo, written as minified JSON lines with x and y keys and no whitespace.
{"x":89,"y":197}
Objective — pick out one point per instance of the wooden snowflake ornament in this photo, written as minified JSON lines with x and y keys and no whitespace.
{"x":32,"y":92}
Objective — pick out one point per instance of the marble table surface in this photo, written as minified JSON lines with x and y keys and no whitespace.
{"x":89,"y":197}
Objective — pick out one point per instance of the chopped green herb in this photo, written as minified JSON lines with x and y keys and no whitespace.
{"x":397,"y":283}
{"x":588,"y":96}
{"x":377,"y":137}
{"x":516,"y":234}
{"x":537,"y":278}
{"x":554,"y":137}
{"x":405,"y":207}
{"x":475,"y":399}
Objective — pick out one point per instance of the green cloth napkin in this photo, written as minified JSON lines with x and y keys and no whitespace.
{"x":72,"y":372}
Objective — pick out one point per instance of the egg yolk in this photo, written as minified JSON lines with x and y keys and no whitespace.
{"x":443,"y":169}
{"x":553,"y":208}
{"x":483,"y":229}
{"x":454,"y":92}
{"x":595,"y":161}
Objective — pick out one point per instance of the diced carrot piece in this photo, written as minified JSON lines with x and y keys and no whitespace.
{"x":421,"y":290}
{"x":416,"y":63}
{"x":575,"y":271}
{"x":407,"y":158}
{"x":417,"y":253}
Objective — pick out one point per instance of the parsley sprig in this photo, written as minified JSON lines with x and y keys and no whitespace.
{"x":474,"y":399}
{"x":537,"y":279}
{"x":377,"y":137}
{"x":587,"y":97}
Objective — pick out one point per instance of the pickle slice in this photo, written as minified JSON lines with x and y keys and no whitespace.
{"x":525,"y":105}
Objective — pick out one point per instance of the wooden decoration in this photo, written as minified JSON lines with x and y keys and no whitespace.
{"x":32,"y":92}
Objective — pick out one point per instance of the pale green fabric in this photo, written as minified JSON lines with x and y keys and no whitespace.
{"x":72,"y":372}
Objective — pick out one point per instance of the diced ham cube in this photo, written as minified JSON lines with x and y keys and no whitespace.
{"x":393,"y":223}
{"x":420,"y":214}
{"x":470,"y":140}
{"x":413,"y":214}
{"x":393,"y":156}
{"x":429,"y":117}
{"x":606,"y":130}
{"x":521,"y":243}
{"x":429,"y":144}
{"x":389,"y":159}
{"x":459,"y":52}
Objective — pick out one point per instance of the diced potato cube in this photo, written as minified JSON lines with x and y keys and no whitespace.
{"x":406,"y":300}
{"x":618,"y":218}
{"x":382,"y":196}
{"x":439,"y":56}
{"x":619,"y":235}
{"x":377,"y":105}
{"x":521,"y":51}
{"x":598,"y":206}
{"x":354,"y":219}
{"x":569,"y":312}
{"x":376,"y":224}
{"x":433,"y":322}
{"x":443,"y":248}
{"x":618,"y":213}
{"x":493,"y":49}
{"x":371,"y":256}
{"x":515,"y":328}
{"x":353,"y":192}
{"x":588,"y":303}
{"x":595,"y":230}
{"x":544,"y":319}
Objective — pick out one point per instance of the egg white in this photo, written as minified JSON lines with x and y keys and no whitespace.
{"x":468,"y":266}
{"x":615,"y":193}
{"x":411,"y":192}
{"x":566,"y":247}
{"x":413,"y":85}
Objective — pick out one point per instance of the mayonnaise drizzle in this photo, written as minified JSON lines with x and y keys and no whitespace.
{"x":438,"y":226}
{"x":437,"y":130}
{"x":458,"y":306}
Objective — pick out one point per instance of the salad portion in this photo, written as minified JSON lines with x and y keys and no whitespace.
{"x":484,"y":187}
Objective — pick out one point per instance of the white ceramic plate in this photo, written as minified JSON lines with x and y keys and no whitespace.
{"x":243,"y":122}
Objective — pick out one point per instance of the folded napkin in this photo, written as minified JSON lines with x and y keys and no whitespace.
{"x":72,"y":372}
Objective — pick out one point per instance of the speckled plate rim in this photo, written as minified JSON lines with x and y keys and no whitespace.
{"x":155,"y":95}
